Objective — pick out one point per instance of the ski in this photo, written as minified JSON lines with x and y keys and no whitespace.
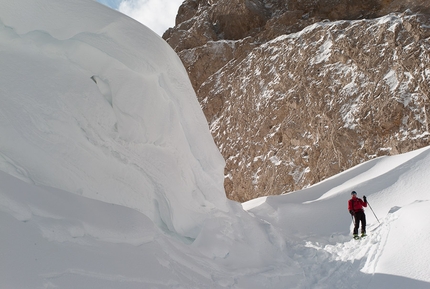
{"x":359,"y":237}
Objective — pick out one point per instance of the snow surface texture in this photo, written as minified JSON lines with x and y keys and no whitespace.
{"x":109,"y":177}
{"x":103,"y":107}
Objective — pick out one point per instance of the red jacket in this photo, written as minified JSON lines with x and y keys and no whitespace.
{"x":356,"y":205}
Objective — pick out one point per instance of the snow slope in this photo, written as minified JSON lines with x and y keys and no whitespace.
{"x":102,"y":107}
{"x":109,"y":177}
{"x":396,"y":252}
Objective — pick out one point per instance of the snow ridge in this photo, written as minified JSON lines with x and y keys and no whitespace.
{"x":96,"y":118}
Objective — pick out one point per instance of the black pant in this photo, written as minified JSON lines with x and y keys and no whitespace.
{"x":359,"y":216}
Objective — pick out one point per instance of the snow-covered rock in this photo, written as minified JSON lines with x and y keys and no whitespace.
{"x":318,"y":95}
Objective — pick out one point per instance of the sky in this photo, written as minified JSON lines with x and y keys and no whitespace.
{"x":159,"y":15}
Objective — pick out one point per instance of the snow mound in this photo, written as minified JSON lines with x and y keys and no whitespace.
{"x":97,"y":104}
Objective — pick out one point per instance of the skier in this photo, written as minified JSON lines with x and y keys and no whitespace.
{"x":355,"y":207}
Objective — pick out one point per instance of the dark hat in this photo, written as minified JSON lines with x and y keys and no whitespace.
{"x":353,"y":193}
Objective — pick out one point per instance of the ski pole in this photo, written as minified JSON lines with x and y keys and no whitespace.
{"x":373,"y":212}
{"x":352,"y":219}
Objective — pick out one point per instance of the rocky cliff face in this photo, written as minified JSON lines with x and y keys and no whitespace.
{"x":297,"y":91}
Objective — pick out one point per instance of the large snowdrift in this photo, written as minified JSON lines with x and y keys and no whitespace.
{"x":109,"y":177}
{"x":97,"y":104}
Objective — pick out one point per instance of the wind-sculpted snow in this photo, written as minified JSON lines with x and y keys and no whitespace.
{"x":53,"y":238}
{"x":96,"y":104}
{"x":396,"y":245}
{"x":109,"y":174}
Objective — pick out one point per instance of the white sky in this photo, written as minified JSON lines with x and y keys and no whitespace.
{"x":158,"y":15}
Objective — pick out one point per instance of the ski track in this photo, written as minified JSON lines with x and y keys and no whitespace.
{"x":342,"y":262}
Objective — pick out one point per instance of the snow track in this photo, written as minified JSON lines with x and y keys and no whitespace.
{"x":352,"y":263}
{"x":347,"y":261}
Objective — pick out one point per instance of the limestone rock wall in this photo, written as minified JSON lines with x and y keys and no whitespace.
{"x":293,"y":97}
